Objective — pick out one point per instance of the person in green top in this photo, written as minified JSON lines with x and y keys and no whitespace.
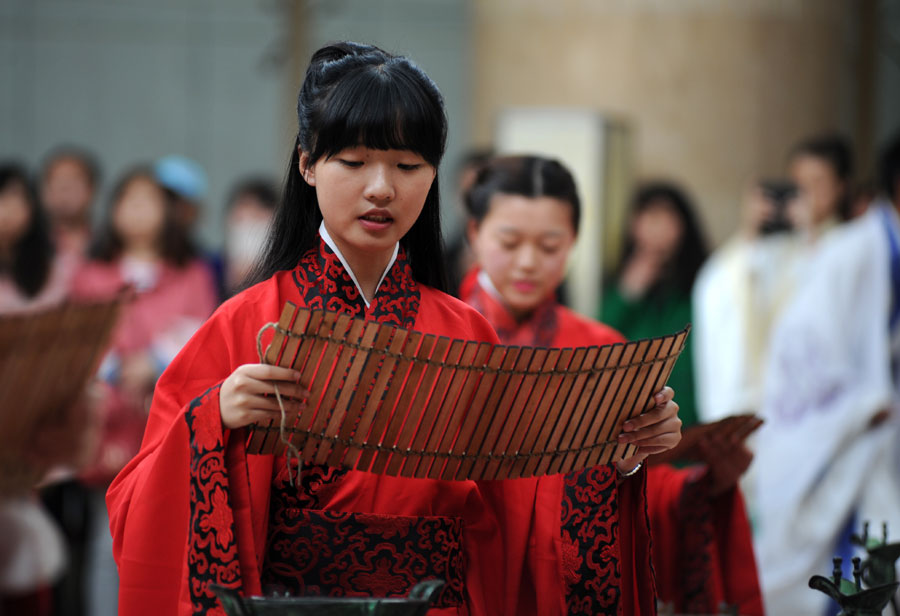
{"x":649,"y":293}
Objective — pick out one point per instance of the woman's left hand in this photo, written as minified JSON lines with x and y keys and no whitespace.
{"x":652,"y":432}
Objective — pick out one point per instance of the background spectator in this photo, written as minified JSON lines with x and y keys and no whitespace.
{"x":650,"y":292}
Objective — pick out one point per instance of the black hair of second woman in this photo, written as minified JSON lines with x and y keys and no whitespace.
{"x":834,"y":150}
{"x":360,"y":95}
{"x":33,"y":254}
{"x":527,"y":176}
{"x":175,"y":246}
{"x":681,"y":271}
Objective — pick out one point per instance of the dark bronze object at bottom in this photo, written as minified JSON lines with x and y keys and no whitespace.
{"x":416,"y":604}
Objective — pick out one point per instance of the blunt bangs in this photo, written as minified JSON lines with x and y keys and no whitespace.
{"x":359,"y":95}
{"x":381,"y":106}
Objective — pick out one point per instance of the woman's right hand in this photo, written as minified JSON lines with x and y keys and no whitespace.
{"x":248,"y":395}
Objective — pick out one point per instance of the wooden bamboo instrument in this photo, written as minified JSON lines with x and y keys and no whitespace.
{"x":46,"y":358}
{"x":403,"y":403}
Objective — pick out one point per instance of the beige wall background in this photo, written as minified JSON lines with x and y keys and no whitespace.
{"x":715,"y":91}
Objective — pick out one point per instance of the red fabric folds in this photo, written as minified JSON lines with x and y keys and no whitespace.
{"x":591,"y":530}
{"x":702,"y":548}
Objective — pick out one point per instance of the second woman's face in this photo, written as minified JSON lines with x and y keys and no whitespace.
{"x":370,"y":198}
{"x":523,"y":245}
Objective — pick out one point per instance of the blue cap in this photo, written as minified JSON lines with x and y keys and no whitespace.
{"x":183,"y":176}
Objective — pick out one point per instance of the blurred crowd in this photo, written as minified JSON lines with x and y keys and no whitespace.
{"x":55,"y":545}
{"x":795,"y":321}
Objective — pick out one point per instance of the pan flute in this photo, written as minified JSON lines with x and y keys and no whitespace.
{"x":46,"y":358}
{"x":402,"y":403}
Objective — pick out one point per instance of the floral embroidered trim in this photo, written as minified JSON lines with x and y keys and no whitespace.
{"x":325,"y":284}
{"x":313,"y":552}
{"x":212,"y":546}
{"x":590,"y":536}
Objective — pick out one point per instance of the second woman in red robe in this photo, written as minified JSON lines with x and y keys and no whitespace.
{"x":524,"y":217}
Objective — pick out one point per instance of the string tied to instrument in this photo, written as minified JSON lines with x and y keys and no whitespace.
{"x":291,"y":451}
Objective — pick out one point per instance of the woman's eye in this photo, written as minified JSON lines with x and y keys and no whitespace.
{"x":410,"y":167}
{"x":550,"y":249}
{"x":353,"y":164}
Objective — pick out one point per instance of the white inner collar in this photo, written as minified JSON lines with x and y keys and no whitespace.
{"x":323,"y":232}
{"x":488,"y":285}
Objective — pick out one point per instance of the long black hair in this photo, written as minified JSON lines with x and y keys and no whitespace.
{"x":354,"y":95}
{"x":680,"y":272}
{"x":525,"y":176}
{"x":32,"y":254}
{"x":174,"y":245}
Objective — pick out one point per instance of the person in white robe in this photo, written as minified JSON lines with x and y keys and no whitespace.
{"x":828,"y":453}
{"x":739,"y":291}
{"x":745,"y":285}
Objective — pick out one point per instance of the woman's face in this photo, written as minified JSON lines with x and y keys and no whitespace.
{"x":657,"y":230}
{"x":820,"y":189}
{"x":139,"y":214}
{"x":369,"y":198}
{"x":523,"y":245}
{"x":15,"y":214}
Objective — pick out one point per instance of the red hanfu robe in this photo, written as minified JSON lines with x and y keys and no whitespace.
{"x":702,"y":549}
{"x":702,"y":546}
{"x":193,"y":508}
{"x":596,"y":523}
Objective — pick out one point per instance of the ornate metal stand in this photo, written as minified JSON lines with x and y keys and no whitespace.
{"x":878,"y":572}
{"x":416,"y":604}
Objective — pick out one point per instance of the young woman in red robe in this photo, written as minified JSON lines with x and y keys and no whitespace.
{"x":524,"y":214}
{"x":358,"y":231}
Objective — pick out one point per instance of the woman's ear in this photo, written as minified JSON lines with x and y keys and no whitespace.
{"x":307,"y":171}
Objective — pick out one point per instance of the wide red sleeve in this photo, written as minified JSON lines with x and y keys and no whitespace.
{"x":150,"y":500}
{"x":702,"y":547}
{"x":638,"y":581}
{"x":201,"y":286}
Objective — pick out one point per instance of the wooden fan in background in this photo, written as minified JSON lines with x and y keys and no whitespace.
{"x":46,"y":359}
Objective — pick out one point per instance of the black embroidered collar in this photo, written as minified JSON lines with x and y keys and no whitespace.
{"x":324,"y":283}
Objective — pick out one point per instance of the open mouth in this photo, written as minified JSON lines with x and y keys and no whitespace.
{"x":378,"y":219}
